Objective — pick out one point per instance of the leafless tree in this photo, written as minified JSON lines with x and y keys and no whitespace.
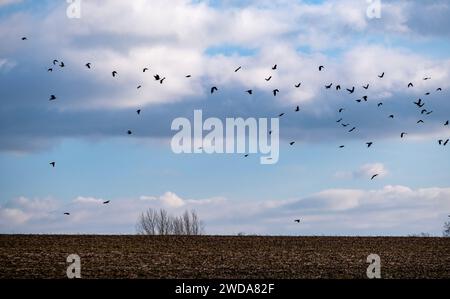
{"x":446,"y":232}
{"x":159,"y":222}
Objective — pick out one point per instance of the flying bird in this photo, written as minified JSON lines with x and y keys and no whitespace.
{"x":162,"y":80}
{"x":351,"y":90}
{"x":381,"y":76}
{"x":391,"y":116}
{"x":328,"y":86}
{"x":238,"y":69}
{"x":138,"y":112}
{"x":419,"y":103}
{"x":298,"y":85}
{"x":145,"y":69}
{"x":281,"y":114}
{"x":365,"y":98}
{"x":62,"y":64}
{"x":420,"y":121}
{"x":268,"y":79}
{"x":24,"y":38}
{"x":246,"y":155}
{"x":139,"y":87}
{"x":157,"y":77}
{"x":426,"y":78}
{"x":67,"y":214}
{"x":342,"y":146}
{"x":129,"y":132}
{"x":341,"y":109}
{"x":106,"y":202}
{"x":53,"y":164}
{"x":297,"y":220}
{"x":403,"y":134}
{"x":275,"y":67}
{"x":339,"y":120}
{"x":439,"y":89}
{"x":446,"y":123}
{"x":55,"y":62}
{"x":428,"y":93}
{"x":114,"y":73}
{"x":292,"y":143}
{"x":445,"y":143}
{"x":52,"y":97}
{"x":354,"y":128}
{"x":214,"y":89}
{"x":369,"y":144}
{"x":275,"y":91}
{"x":88,"y":65}
{"x":374,"y":176}
{"x":188,"y":76}
{"x":297,"y":109}
{"x":249,"y":91}
{"x":338,"y":87}
{"x":366,"y":87}
{"x":380,"y":104}
{"x":50,"y":70}
{"x":345,"y":125}
{"x":321,"y":68}
{"x":410,"y":85}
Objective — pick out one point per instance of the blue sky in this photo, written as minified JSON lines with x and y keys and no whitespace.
{"x":329,"y":188}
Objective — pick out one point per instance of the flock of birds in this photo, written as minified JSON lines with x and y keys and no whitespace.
{"x":214,"y":89}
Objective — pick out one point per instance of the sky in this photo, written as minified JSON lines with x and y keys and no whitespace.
{"x":329,"y":188}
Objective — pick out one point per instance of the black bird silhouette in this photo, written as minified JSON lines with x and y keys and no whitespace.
{"x":381,"y":76}
{"x":445,"y":143}
{"x":292,"y":143}
{"x":106,"y":202}
{"x":114,"y":73}
{"x":359,"y":100}
{"x":339,"y":120}
{"x":298,"y":85}
{"x":88,"y":65}
{"x":391,"y":116}
{"x":341,"y":109}
{"x":274,"y":67}
{"x":403,"y":134}
{"x":53,"y":164}
{"x":423,"y":111}
{"x":354,"y":128}
{"x":214,"y":89}
{"x":275,"y":91}
{"x":420,"y":121}
{"x":52,"y":97}
{"x":162,"y":80}
{"x":439,"y":89}
{"x":446,"y":123}
{"x":129,"y":132}
{"x":246,"y":155}
{"x":138,"y":111}
{"x":338,"y":87}
{"x":366,"y":87}
{"x":145,"y":69}
{"x":139,"y":87}
{"x":297,"y":220}
{"x":62,"y":64}
{"x":328,"y":86}
{"x":188,"y":76}
{"x":55,"y":62}
{"x":238,"y":69}
{"x":249,"y":91}
{"x":351,"y":90}
{"x":342,"y":146}
{"x":380,"y":104}
{"x":440,"y":141}
{"x":321,"y":68}
{"x":426,"y":78}
{"x":50,"y":70}
{"x":365,"y":98}
{"x":428,"y":93}
{"x":410,"y":85}
{"x":281,"y":114}
{"x":157,"y":77}
{"x":345,"y":125}
{"x":374,"y":176}
{"x":369,"y":144}
{"x":429,"y":112}
{"x":297,"y":109}
{"x":268,"y":79}
{"x":24,"y":38}
{"x":419,"y":103}
{"x":67,"y":214}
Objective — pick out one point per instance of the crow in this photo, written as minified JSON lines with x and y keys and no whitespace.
{"x":381,"y":76}
{"x":237,"y":70}
{"x":145,"y":69}
{"x":391,"y":116}
{"x":157,"y":77}
{"x":62,"y":64}
{"x":380,"y":104}
{"x":268,"y":79}
{"x":88,"y":65}
{"x":24,"y":38}
{"x":297,"y":109}
{"x":53,"y":164}
{"x":162,"y":80}
{"x":420,"y":121}
{"x":249,"y":91}
{"x":274,"y":67}
{"x":354,"y":128}
{"x":67,"y":214}
{"x":50,"y":70}
{"x":369,"y":144}
{"x":298,"y":85}
{"x":114,"y":74}
{"x":338,"y":87}
{"x":403,"y":134}
{"x":292,"y":143}
{"x":446,"y":123}
{"x":321,"y":68}
{"x":188,"y":76}
{"x":351,"y":90}
{"x":52,"y":97}
{"x":214,"y":89}
{"x":366,"y":87}
{"x":129,"y":132}
{"x":342,"y":146}
{"x":281,"y":114}
{"x":328,"y":86}
{"x":339,"y":120}
{"x":341,"y":109}
{"x":138,"y":112}
{"x":106,"y":202}
{"x":275,"y":91}
{"x":297,"y":220}
{"x":410,"y":85}
{"x":374,"y":176}
{"x":419,"y":103}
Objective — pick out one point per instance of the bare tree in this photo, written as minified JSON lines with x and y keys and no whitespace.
{"x":446,"y":232}
{"x":159,"y":222}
